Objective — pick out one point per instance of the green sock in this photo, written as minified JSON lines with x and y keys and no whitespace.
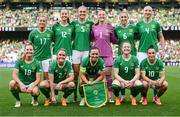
{"x":122,"y":92}
{"x":155,"y":92}
{"x":76,"y":87}
{"x":81,"y":92}
{"x":68,"y":92}
{"x":35,"y":96}
{"x":115,"y":89}
{"x":45,"y":91}
{"x":15,"y":93}
{"x":136,"y":90}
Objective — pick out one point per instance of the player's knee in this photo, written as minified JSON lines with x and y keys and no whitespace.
{"x":44,"y":83}
{"x":138,"y":83}
{"x":12,"y":84}
{"x":35,"y":91}
{"x":145,"y":84}
{"x":165,"y":84}
{"x":116,"y":82}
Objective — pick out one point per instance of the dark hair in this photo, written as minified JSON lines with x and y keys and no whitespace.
{"x":93,"y":48}
{"x":124,"y":42}
{"x":151,"y":47}
{"x":62,"y":49}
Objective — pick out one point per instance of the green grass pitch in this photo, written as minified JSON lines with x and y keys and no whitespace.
{"x":170,"y":102}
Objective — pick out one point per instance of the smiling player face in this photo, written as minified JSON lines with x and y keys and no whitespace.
{"x":61,"y":57}
{"x":101,"y":16}
{"x":82,"y":11}
{"x":64,"y":15}
{"x":94,"y":55}
{"x":126,"y":48}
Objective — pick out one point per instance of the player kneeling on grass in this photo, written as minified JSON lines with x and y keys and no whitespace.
{"x":153,"y":76}
{"x":91,"y":71}
{"x":126,"y":73}
{"x":61,"y":78}
{"x":26,"y":76}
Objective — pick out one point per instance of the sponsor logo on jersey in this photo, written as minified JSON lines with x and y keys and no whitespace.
{"x":119,"y":31}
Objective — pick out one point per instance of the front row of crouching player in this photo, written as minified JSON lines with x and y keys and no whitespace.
{"x":26,"y":76}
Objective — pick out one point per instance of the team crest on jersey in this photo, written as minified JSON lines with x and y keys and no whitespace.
{"x":153,"y":26}
{"x":132,"y":64}
{"x":65,"y":69}
{"x":33,"y":67}
{"x":48,"y":35}
{"x":157,"y":68}
{"x":130,"y":30}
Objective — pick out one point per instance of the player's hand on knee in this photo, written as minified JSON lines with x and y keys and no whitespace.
{"x":22,"y":88}
{"x":29,"y":89}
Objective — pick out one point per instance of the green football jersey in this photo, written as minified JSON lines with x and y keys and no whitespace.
{"x":126,"y":34}
{"x":92,"y":69}
{"x":27,"y":71}
{"x":152,"y":71}
{"x":148,"y":33}
{"x":126,"y":68}
{"x":42,"y":43}
{"x":62,"y":38}
{"x":82,"y":35}
{"x":60,"y":72}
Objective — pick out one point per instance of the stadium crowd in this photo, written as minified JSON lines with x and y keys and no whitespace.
{"x":10,"y":51}
{"x":27,"y":17}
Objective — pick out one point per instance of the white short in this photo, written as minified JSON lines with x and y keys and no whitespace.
{"x":69,"y":58}
{"x":45,"y":65}
{"x":77,"y":56}
{"x":141,"y":56}
{"x":27,"y":86}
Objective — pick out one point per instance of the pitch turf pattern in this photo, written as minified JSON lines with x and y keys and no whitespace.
{"x":170,"y":102}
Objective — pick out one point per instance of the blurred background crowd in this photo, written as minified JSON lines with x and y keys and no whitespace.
{"x":28,"y":17}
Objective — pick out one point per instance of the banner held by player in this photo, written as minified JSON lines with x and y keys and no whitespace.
{"x":95,"y":94}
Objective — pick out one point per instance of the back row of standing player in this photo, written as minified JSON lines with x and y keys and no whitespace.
{"x":84,"y":33}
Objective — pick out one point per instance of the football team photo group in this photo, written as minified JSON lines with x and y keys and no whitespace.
{"x":91,"y":63}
